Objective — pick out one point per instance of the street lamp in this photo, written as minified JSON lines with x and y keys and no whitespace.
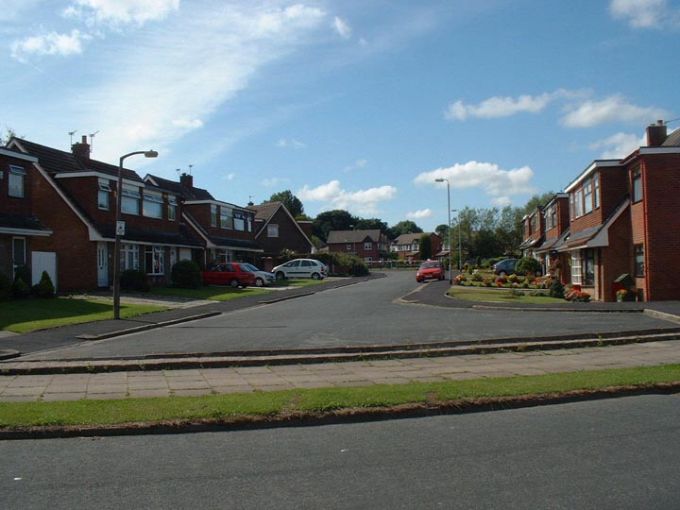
{"x":448,"y":210}
{"x":460,"y":253}
{"x":120,"y":230}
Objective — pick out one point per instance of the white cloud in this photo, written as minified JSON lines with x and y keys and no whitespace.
{"x":419,"y":214}
{"x":156,"y":79}
{"x":611,"y":109}
{"x":496,"y":182}
{"x":291,"y":143}
{"x":273,"y":181}
{"x":188,"y":123}
{"x":618,"y":145}
{"x":342,"y":27}
{"x":52,"y":43}
{"x":120,"y":12}
{"x":229,"y":177}
{"x":644,"y":13}
{"x":357,"y":165}
{"x":498,"y":106}
{"x":361,"y":201}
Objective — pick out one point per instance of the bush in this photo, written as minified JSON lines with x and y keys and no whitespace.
{"x":134,"y":279}
{"x":528,"y":265}
{"x":477,"y":277}
{"x":186,"y":274}
{"x":343,"y":263}
{"x":20,"y":288}
{"x":577,"y":296}
{"x":5,"y":287}
{"x":44,"y":288}
{"x":557,"y":289}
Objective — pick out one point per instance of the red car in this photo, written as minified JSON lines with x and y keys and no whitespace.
{"x":231,"y":274}
{"x":430,"y":269}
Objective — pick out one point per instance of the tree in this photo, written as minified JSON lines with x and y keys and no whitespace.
{"x":371,"y":224}
{"x":536,"y":201}
{"x":403,"y":227}
{"x":7,"y":135}
{"x":292,"y":203}
{"x":336,"y":219}
{"x":425,"y":247}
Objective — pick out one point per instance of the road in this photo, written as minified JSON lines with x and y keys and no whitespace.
{"x":361,"y":314}
{"x":610,"y":454}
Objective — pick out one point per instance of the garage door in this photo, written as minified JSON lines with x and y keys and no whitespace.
{"x":44,"y":261}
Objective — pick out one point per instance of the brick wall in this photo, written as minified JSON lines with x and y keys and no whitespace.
{"x":289,"y":237}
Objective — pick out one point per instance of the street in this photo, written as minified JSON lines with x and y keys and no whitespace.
{"x":616,"y":453}
{"x":361,"y":314}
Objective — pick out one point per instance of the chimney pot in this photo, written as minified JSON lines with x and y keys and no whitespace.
{"x":81,"y":150}
{"x":656,"y":134}
{"x":186,"y":180}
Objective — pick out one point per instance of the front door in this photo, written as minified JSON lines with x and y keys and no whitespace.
{"x":102,"y":265}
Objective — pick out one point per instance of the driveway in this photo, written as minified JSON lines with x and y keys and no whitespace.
{"x":362,"y":314}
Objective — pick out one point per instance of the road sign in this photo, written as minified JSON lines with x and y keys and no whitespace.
{"x":120,"y":228}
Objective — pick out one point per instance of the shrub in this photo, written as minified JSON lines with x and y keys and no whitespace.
{"x":577,"y":296}
{"x":186,"y":274}
{"x":20,"y":288}
{"x":460,"y":279}
{"x":134,"y":279}
{"x":556,"y":289}
{"x":528,"y":265}
{"x":5,"y":287}
{"x":501,"y":280}
{"x":44,"y":288}
{"x":513,"y":278}
{"x":477,"y":277}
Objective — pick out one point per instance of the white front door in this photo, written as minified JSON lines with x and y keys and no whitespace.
{"x":43,"y":261}
{"x":102,"y":265}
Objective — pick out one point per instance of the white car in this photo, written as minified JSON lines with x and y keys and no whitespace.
{"x":301,"y":268}
{"x":262,"y":278}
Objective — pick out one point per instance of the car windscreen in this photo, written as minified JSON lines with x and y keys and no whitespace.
{"x":249,"y":267}
{"x":429,"y":265}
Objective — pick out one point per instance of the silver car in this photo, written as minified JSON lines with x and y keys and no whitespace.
{"x":262,"y":278}
{"x":301,"y":268}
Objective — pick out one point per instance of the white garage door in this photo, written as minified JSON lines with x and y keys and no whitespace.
{"x":44,"y":261}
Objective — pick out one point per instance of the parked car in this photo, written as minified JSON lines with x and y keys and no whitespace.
{"x":231,"y":273}
{"x":262,"y":278}
{"x":430,"y":269}
{"x":506,"y":266}
{"x":301,"y":268}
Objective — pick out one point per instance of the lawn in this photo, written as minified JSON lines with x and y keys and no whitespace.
{"x":500,"y":296}
{"x":309,"y":402}
{"x":210,"y":292}
{"x":23,"y":316}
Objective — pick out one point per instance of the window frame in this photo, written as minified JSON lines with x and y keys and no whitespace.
{"x":129,"y":195}
{"x":172,"y":207}
{"x":16,"y":174}
{"x":273,"y":230}
{"x":152,"y":201}
{"x":129,"y":253}
{"x":155,"y":255}
{"x":636,"y":191}
{"x":103,"y":192}
{"x":226,"y":217}
{"x":639,"y":263}
{"x":587,"y":197}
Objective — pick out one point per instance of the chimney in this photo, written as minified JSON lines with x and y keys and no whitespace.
{"x":81,"y":150}
{"x":186,"y":180}
{"x":656,"y":134}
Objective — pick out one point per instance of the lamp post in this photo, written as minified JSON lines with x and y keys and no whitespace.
{"x":120,"y":229}
{"x":448,"y":209}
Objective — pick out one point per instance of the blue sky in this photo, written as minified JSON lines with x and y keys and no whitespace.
{"x":351,"y":104}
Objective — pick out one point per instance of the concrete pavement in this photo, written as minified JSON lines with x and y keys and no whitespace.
{"x":195,"y":382}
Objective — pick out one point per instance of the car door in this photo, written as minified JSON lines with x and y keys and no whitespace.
{"x":292,"y":269}
{"x":306,"y":268}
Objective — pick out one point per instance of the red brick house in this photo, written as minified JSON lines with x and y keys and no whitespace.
{"x":370,"y":245}
{"x":276,"y":230}
{"x":19,"y":228}
{"x":556,"y":224}
{"x":73,"y":196}
{"x":227,"y":231}
{"x":533,"y":225}
{"x":623,"y":220}
{"x":407,"y":246}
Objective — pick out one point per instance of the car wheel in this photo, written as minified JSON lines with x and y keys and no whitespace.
{"x":280,"y":275}
{"x":259,"y":282}
{"x":234,"y":284}
{"x":316,"y":276}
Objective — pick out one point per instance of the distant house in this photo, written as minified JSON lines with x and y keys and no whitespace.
{"x":370,"y":245}
{"x":407,"y":246}
{"x":556,"y":222}
{"x":276,"y":230}
{"x":21,"y":232}
{"x":533,"y":227}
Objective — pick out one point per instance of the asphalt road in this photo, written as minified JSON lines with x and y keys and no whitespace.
{"x":610,"y":454}
{"x":361,"y":314}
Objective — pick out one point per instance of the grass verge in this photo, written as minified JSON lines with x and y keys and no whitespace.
{"x":500,"y":296}
{"x":211,"y":292}
{"x":312,"y":402}
{"x":23,"y":316}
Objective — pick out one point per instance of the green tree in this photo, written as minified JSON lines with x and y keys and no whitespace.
{"x":371,"y":224}
{"x":336,"y":219}
{"x":292,"y":203}
{"x":425,"y":247}
{"x":403,"y":227}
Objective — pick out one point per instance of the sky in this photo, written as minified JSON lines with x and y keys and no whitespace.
{"x":352,"y":104}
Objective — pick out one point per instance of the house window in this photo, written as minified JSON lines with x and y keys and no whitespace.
{"x":637,"y":185}
{"x":589,"y":267}
{"x":172,"y":207}
{"x":572,"y":214}
{"x":639,"y":260}
{"x":129,"y":257}
{"x":576,"y":268}
{"x":225,"y":217}
{"x":213,"y":215}
{"x":249,"y":223}
{"x":130,"y":199}
{"x":19,"y":253}
{"x":588,"y":196}
{"x":578,"y":203}
{"x":551,"y":218}
{"x":154,"y":260}
{"x":173,"y":257}
{"x":153,"y":205}
{"x":596,"y":191}
{"x":103,"y":194}
{"x":17,"y":176}
{"x":368,"y":246}
{"x":272,"y":230}
{"x":348,"y":247}
{"x":239,"y":221}
{"x":534,"y":223}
